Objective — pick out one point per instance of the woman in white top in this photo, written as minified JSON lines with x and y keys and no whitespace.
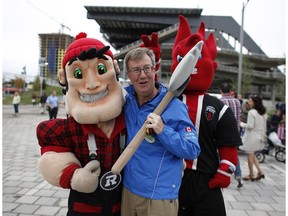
{"x":255,"y":135}
{"x":16,"y":100}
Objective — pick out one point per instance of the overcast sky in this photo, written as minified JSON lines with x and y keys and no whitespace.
{"x":23,"y":20}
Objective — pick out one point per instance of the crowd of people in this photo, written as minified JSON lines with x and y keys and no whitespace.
{"x":255,"y":125}
{"x":46,"y":103}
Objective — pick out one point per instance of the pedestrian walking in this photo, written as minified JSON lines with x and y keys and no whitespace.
{"x":235,"y":105}
{"x":16,"y":101}
{"x":43,"y":100}
{"x":34,"y":97}
{"x":52,"y":104}
{"x":255,"y":135}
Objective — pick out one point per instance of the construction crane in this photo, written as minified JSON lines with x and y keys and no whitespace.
{"x":46,"y":14}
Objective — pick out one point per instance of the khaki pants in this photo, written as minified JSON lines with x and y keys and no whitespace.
{"x":133,"y":205}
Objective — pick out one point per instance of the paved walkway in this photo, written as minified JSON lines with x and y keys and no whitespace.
{"x":26,"y":193}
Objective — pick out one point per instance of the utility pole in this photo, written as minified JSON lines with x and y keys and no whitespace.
{"x":240,"y":64}
{"x":42,"y":65}
{"x":24,"y":76}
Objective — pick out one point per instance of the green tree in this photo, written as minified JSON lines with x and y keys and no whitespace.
{"x":247,"y":77}
{"x":36,"y":84}
{"x":18,"y":82}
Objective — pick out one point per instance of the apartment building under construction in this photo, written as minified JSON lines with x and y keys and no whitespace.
{"x":52,"y":50}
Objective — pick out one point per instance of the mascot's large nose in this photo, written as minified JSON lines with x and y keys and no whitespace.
{"x":92,"y":80}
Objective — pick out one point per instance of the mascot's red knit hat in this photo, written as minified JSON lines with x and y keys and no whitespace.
{"x":80,"y":44}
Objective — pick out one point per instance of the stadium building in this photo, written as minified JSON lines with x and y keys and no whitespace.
{"x":123,"y":26}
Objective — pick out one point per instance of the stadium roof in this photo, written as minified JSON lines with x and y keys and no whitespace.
{"x":124,"y":25}
{"x":121,"y":26}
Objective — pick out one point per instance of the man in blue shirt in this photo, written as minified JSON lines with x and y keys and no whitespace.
{"x":152,"y":177}
{"x":52,"y":104}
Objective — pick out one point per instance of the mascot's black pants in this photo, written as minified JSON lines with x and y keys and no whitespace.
{"x":195,"y":197}
{"x":99,"y":203}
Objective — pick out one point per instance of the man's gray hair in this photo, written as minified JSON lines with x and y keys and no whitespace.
{"x":137,"y":54}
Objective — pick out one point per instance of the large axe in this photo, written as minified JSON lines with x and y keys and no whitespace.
{"x":178,"y":82}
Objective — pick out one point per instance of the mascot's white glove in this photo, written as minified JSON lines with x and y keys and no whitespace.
{"x":86,"y":179}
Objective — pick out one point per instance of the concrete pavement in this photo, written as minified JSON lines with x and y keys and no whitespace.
{"x":26,"y":193}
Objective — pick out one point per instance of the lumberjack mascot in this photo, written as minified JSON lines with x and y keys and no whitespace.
{"x":79,"y":152}
{"x":200,"y":193}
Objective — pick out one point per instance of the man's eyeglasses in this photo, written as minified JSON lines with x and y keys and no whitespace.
{"x":146,"y":69}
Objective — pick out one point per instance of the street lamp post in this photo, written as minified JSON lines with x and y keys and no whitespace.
{"x":42,"y":65}
{"x":240,"y":64}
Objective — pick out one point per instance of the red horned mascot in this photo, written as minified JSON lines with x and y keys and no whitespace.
{"x":200,"y":193}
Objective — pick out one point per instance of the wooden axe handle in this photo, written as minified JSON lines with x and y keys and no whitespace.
{"x":138,"y":138}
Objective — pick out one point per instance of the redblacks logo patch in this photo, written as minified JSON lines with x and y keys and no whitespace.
{"x":209,"y":112}
{"x":110,"y":181}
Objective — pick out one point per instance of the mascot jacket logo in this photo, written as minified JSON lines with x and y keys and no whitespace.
{"x":110,"y":181}
{"x":210,"y":112}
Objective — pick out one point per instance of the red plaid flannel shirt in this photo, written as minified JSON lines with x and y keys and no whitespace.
{"x":66,"y":135}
